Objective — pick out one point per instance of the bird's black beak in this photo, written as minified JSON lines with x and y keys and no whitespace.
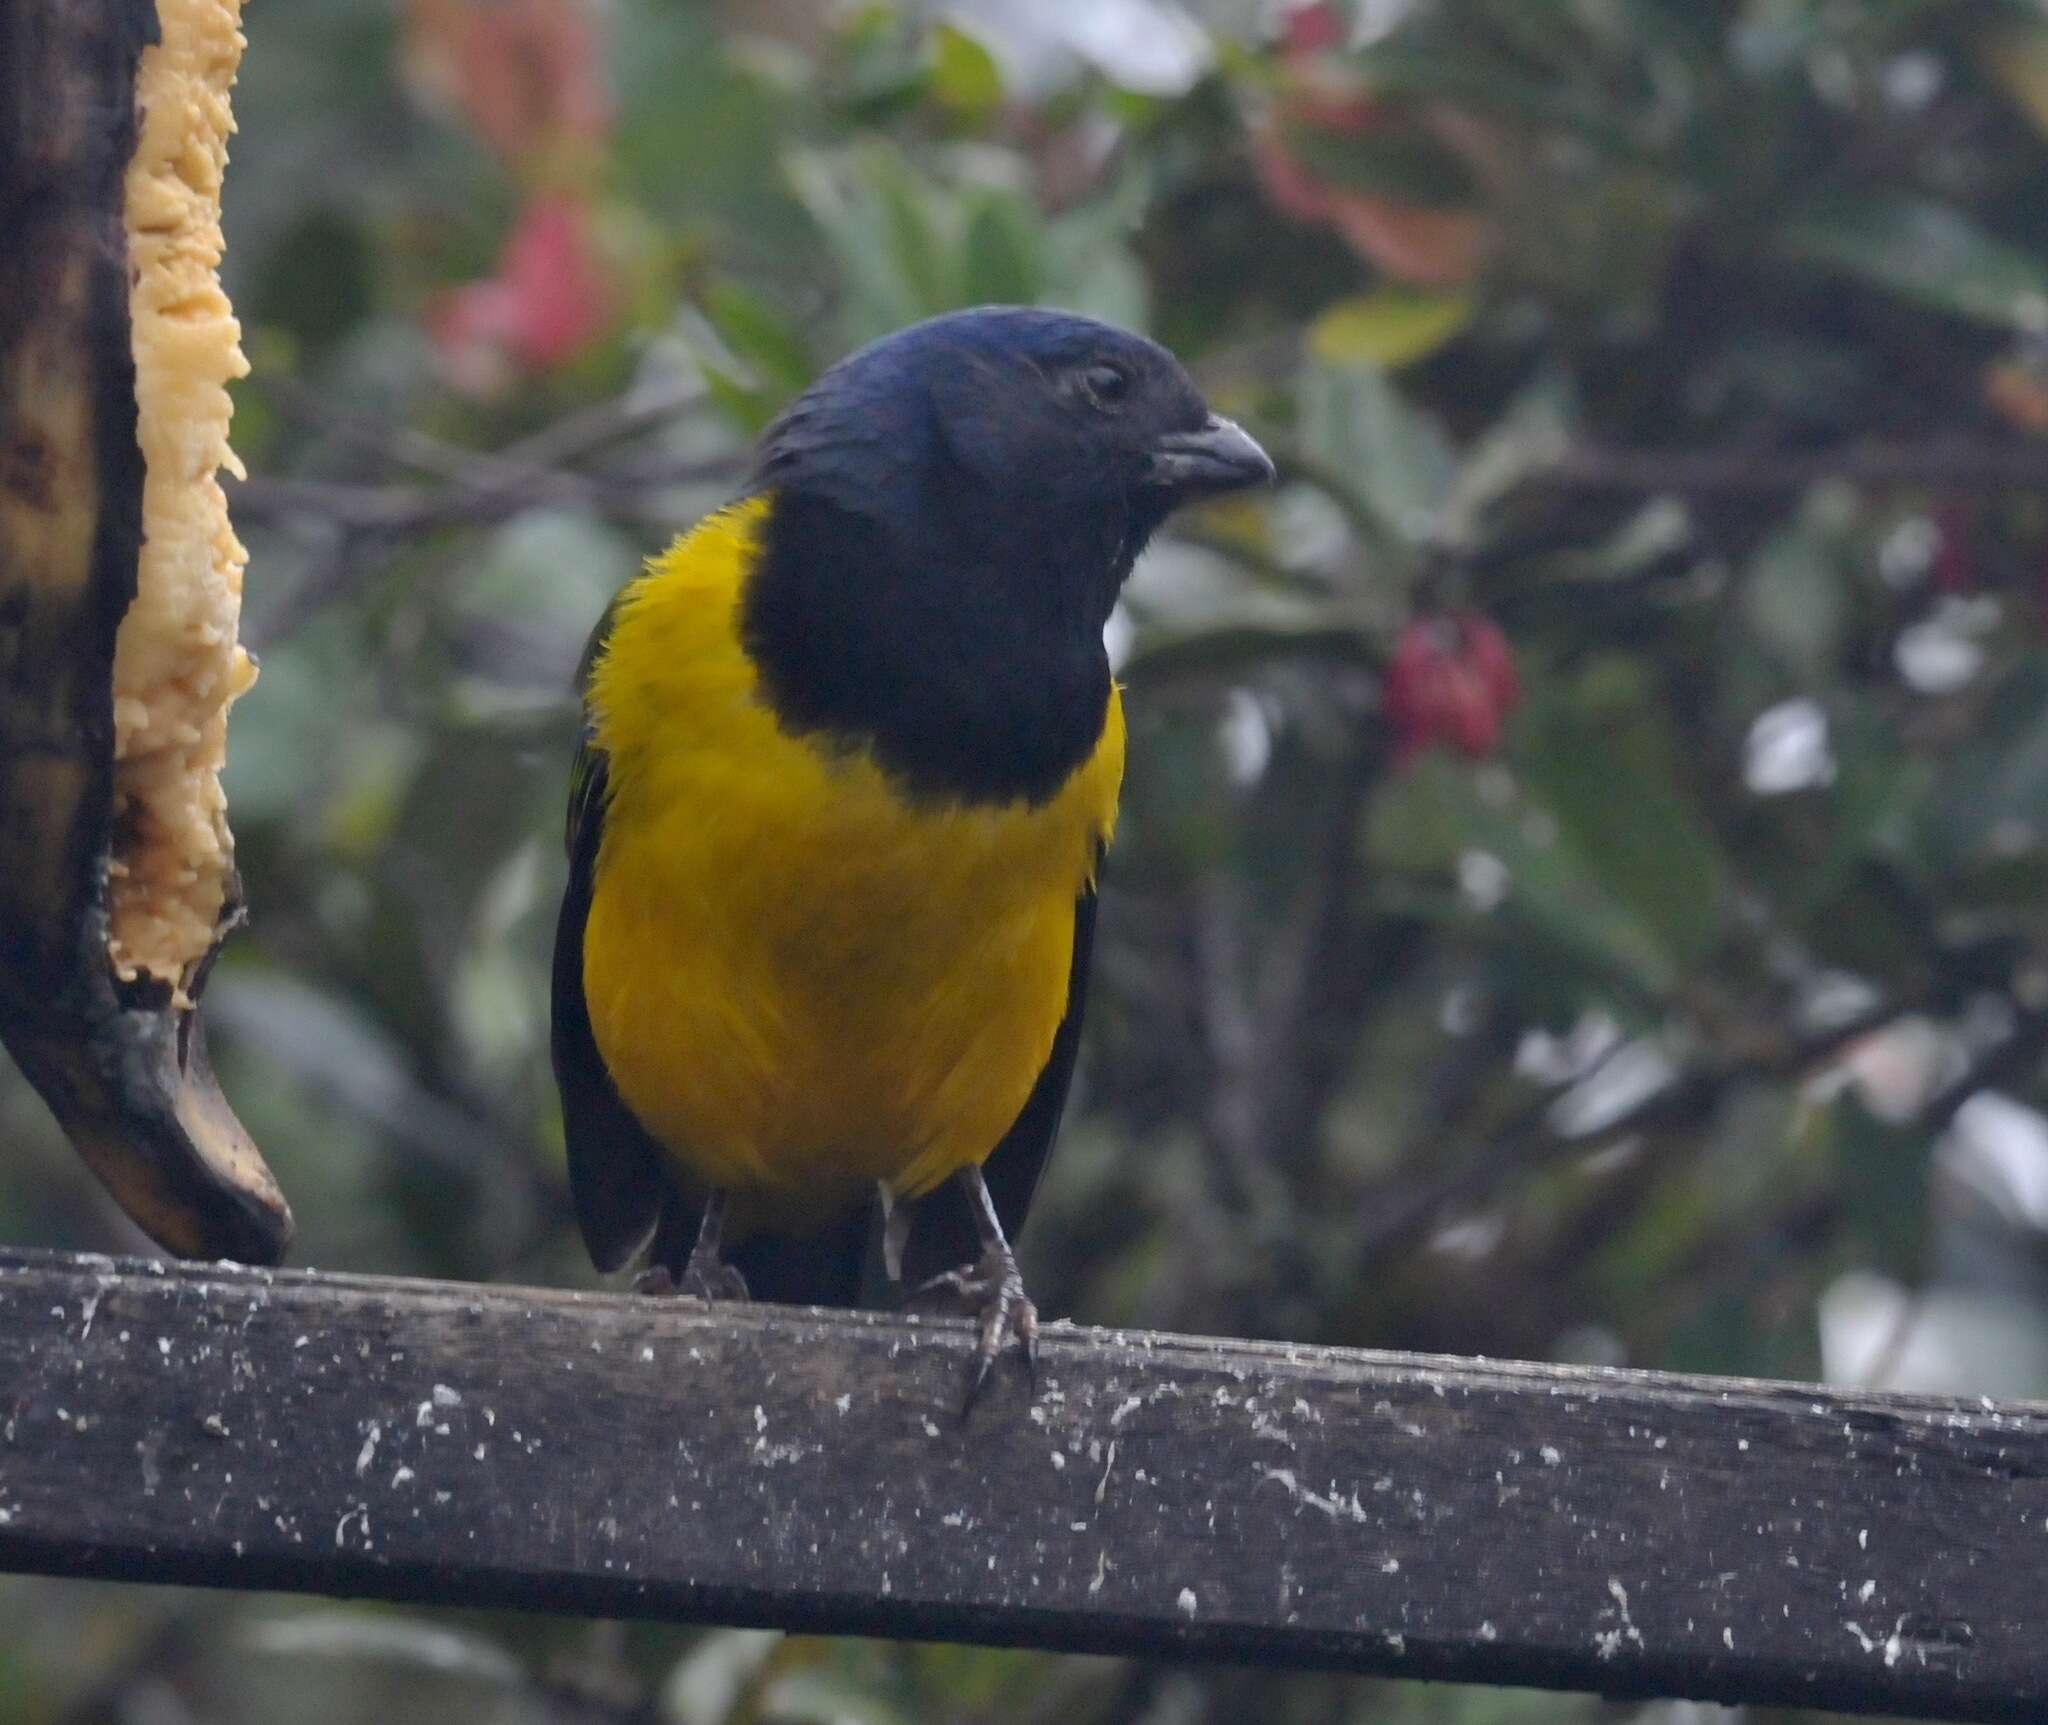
{"x":1219,"y":457}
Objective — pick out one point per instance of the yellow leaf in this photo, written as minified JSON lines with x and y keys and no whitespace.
{"x":2016,"y":56}
{"x":1391,"y":326}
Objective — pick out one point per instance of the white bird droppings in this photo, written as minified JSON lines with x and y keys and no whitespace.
{"x":1609,"y":1642}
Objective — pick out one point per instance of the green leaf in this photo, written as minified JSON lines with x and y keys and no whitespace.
{"x":1993,"y":801}
{"x":1490,"y":84}
{"x":1796,"y":600}
{"x":1089,"y":265}
{"x":827,"y":1697}
{"x":1881,"y":1174}
{"x":964,"y":75}
{"x":911,"y":218}
{"x":1530,"y":436}
{"x":1404,"y":164}
{"x":1561,"y":925}
{"x":882,"y":64}
{"x":1392,"y":326}
{"x":837,"y":189}
{"x":711,"y":1682}
{"x":1927,"y":252}
{"x":1390,"y":456}
{"x":1605,"y":765}
{"x":761,"y":335}
{"x":748,"y":407}
{"x":1002,"y":259}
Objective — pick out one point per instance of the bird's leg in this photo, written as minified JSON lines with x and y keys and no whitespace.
{"x":991,"y":1288}
{"x":707,"y":1275}
{"x":895,"y":1231}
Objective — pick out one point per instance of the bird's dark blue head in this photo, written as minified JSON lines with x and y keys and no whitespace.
{"x":953,"y":510}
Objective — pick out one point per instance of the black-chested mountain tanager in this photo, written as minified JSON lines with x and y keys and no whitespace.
{"x":850,"y":760}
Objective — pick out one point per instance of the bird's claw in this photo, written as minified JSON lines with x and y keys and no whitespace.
{"x":712,"y":1279}
{"x":705,"y":1277}
{"x":992,"y":1291}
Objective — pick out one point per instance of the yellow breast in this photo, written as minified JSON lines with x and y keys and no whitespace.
{"x":800,"y":981}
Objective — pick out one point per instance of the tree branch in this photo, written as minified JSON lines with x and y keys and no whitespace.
{"x":1949,"y":464}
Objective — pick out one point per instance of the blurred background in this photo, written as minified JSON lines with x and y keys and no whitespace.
{"x":1581,"y":887}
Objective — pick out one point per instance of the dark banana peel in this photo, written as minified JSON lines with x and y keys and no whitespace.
{"x":121,"y":1064}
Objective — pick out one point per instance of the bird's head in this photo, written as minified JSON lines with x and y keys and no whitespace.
{"x":1040,"y":439}
{"x":954,"y":509}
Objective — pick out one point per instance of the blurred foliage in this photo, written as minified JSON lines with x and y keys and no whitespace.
{"x":1681,"y":1003}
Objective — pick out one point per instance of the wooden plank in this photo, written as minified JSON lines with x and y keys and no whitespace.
{"x":1627,"y":1532}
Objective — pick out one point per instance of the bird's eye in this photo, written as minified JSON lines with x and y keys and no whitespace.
{"x":1105,"y":386}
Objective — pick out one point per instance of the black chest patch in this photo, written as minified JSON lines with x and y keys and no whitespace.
{"x":960,"y":691}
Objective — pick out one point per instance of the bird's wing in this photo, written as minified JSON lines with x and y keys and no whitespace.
{"x":942,"y":1232}
{"x":616,"y":1173}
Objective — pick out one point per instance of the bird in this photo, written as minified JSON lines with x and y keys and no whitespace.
{"x":849,"y":763}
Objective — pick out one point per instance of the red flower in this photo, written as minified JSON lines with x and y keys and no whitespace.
{"x":1451,"y":680}
{"x":527,"y":75}
{"x":1321,"y":99}
{"x":1433,"y":248}
{"x":1312,"y":29}
{"x":551,"y":297}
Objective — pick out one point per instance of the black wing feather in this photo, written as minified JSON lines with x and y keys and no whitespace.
{"x":616,"y":1172}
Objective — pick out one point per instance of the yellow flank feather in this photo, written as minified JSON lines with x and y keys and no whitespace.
{"x":801,"y":981}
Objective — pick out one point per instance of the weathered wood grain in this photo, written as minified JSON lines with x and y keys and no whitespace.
{"x":1625,"y":1532}
{"x":121,"y":1065}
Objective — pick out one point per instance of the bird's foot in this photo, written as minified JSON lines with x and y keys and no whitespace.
{"x":706,"y":1277}
{"x":992,"y":1292}
{"x":711,"y":1278}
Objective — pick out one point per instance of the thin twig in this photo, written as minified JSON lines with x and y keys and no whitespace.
{"x":1402,"y":1213}
{"x":355,"y":528}
{"x":1946,"y":463}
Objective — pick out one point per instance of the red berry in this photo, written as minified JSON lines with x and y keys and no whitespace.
{"x":1451,"y":680}
{"x":1955,"y":562}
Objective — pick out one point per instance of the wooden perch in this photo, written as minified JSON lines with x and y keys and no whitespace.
{"x":1627,"y":1532}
